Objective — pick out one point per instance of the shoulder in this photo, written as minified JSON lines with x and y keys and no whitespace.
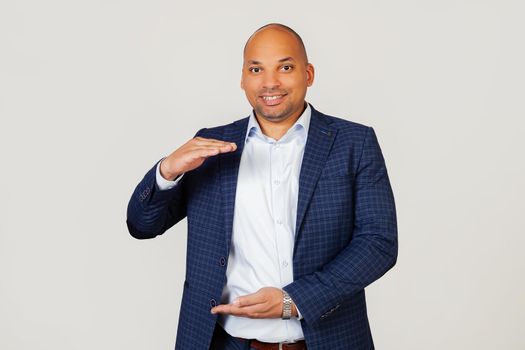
{"x":217,"y":132}
{"x":343,"y":127}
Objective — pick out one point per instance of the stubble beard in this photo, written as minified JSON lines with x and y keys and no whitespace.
{"x":274,"y":116}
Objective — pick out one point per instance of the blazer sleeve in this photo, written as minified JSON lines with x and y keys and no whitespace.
{"x":152,"y":211}
{"x":372,"y":250}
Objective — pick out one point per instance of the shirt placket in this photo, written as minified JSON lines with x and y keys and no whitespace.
{"x":281,"y":212}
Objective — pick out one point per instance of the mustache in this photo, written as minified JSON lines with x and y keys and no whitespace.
{"x":272,"y":92}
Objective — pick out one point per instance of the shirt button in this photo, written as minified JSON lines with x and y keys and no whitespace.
{"x":276,"y":182}
{"x":213,"y":303}
{"x":222,"y":261}
{"x":285,"y":263}
{"x":279,"y":222}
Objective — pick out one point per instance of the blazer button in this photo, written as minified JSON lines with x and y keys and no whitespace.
{"x":222,"y":261}
{"x":213,"y":303}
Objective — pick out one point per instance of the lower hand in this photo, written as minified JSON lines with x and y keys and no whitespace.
{"x":267,"y":302}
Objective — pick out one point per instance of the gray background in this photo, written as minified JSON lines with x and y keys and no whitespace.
{"x":93,"y":93}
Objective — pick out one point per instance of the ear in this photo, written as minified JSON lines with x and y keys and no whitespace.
{"x":310,"y":74}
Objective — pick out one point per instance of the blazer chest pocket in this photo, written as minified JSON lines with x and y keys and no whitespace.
{"x":332,"y":201}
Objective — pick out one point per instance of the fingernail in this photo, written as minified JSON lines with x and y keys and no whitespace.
{"x":236,"y":302}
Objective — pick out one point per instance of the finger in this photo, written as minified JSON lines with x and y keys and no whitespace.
{"x":229,"y":309}
{"x":250,"y":299}
{"x":205,"y":139}
{"x":207,"y":151}
{"x":226,"y":147}
{"x":229,"y":147}
{"x":252,"y":311}
{"x":211,"y":142}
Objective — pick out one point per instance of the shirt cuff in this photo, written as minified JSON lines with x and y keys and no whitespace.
{"x":299,"y":315}
{"x":164,"y":184}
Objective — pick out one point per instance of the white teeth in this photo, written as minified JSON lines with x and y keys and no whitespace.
{"x":269,"y":98}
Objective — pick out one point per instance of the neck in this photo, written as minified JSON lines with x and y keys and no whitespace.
{"x":278,"y":129}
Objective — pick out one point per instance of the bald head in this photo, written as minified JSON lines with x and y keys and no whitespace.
{"x":277,"y":28}
{"x":276,"y":74}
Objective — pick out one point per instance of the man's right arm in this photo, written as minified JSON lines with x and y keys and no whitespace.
{"x":156,"y":205}
{"x":153,"y":209}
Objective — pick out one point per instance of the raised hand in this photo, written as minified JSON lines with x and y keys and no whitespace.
{"x":191,"y":155}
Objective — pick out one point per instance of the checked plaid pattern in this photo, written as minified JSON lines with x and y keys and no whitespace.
{"x":346,"y":231}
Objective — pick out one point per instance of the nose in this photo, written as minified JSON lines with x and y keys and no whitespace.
{"x":271,"y":80}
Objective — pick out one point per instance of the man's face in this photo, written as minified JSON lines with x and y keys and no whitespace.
{"x":275,"y":75}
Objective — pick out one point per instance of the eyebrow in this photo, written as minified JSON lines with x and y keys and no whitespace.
{"x":289,"y":58}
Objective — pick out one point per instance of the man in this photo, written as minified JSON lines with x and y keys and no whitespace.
{"x":290,"y":215}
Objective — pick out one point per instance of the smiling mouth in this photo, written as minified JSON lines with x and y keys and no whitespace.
{"x":272,"y":100}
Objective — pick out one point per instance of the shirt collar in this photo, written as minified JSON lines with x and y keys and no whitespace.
{"x":300,"y":127}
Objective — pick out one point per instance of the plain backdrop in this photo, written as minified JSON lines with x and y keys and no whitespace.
{"x":93,"y":93}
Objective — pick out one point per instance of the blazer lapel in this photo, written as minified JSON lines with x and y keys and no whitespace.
{"x":229,"y":172}
{"x":320,"y":139}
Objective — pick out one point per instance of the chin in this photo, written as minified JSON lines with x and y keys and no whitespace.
{"x":274,"y":116}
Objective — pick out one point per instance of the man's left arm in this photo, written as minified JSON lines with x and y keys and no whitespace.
{"x":372,"y":250}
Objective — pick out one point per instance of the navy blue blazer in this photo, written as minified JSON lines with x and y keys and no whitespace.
{"x":346,"y":231}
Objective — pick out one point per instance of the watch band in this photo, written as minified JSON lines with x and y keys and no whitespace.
{"x":287,"y":306}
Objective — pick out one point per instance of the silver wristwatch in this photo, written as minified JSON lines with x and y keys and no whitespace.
{"x":287,"y":306}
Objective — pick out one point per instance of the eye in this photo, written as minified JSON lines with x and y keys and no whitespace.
{"x":287,"y":68}
{"x":254,"y":69}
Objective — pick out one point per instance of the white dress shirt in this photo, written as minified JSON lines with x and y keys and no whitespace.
{"x":264,"y":220}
